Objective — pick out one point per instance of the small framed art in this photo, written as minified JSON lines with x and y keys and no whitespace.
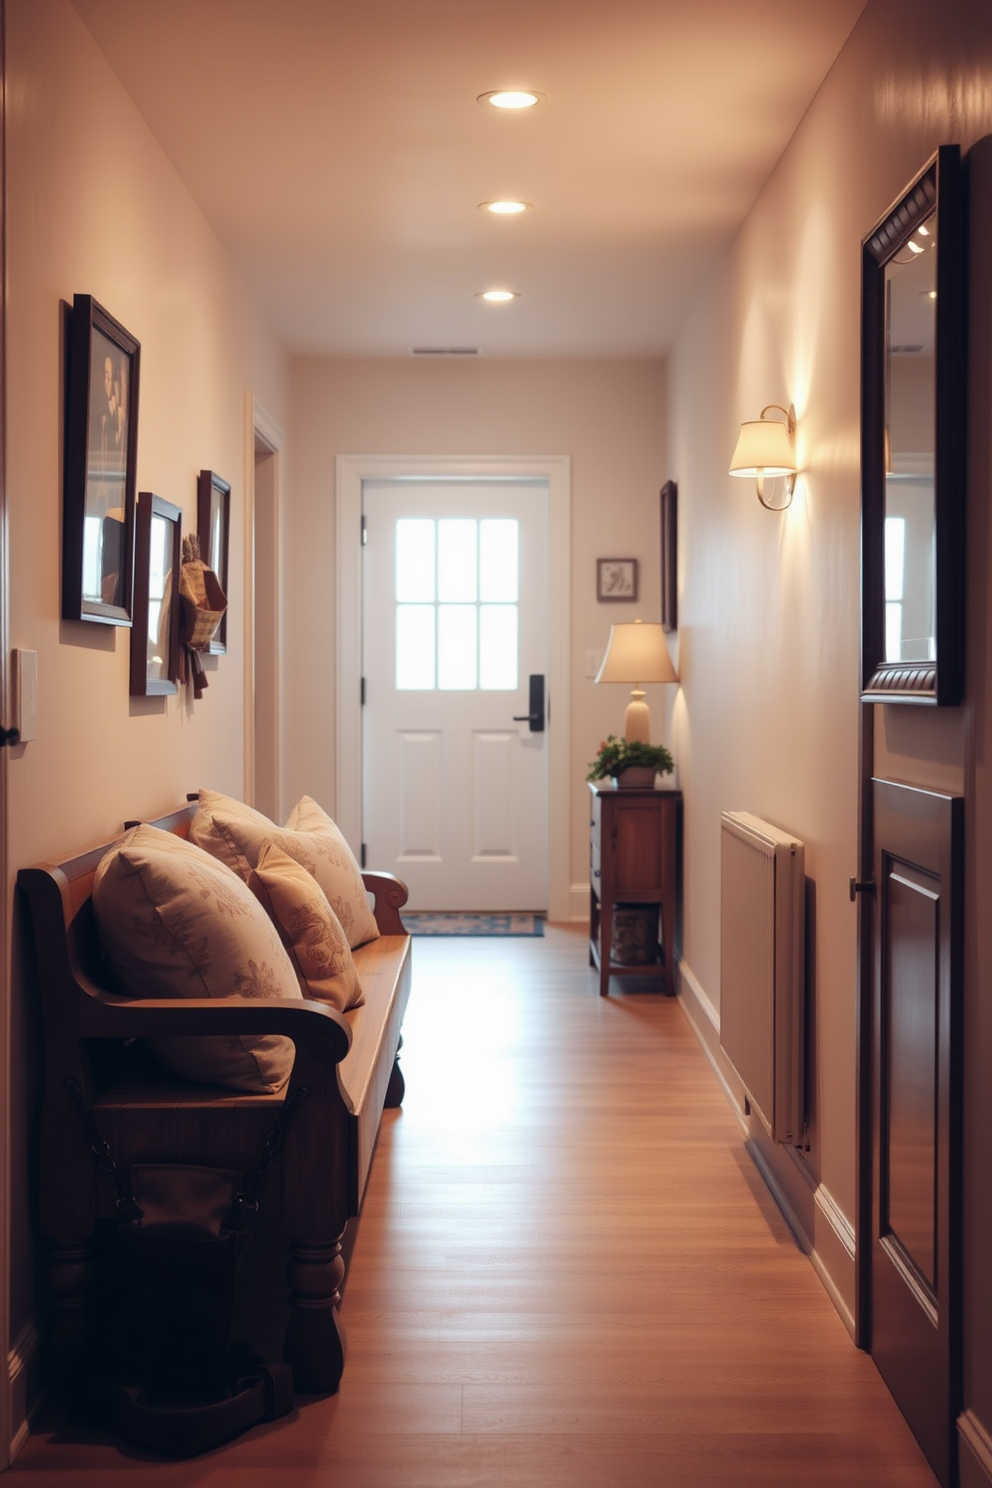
{"x":155,"y":630}
{"x":669,"y":556}
{"x":100,"y":459}
{"x":213,"y":524}
{"x":616,"y":579}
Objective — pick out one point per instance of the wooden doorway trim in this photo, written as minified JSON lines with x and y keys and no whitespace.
{"x":14,"y":1362}
{"x":350,"y":472}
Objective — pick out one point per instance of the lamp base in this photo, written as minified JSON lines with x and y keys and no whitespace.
{"x":637,"y":720}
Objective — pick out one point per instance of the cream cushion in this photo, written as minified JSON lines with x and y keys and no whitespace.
{"x":311,"y":839}
{"x":308,"y":927}
{"x":174,"y":922}
{"x":201,"y":828}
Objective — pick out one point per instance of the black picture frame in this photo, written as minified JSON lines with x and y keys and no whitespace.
{"x":155,"y":629}
{"x":213,"y":525}
{"x":616,"y":580}
{"x":669,"y":556}
{"x":101,"y":452}
{"x":937,"y":197}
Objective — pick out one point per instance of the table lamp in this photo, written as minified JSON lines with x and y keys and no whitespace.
{"x":637,"y":653}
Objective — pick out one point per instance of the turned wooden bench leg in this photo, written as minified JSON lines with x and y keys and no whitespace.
{"x":315,"y":1344}
{"x":71,"y":1270}
{"x":396,"y":1089}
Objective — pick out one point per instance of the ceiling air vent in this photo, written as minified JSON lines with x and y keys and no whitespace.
{"x":445,"y":351}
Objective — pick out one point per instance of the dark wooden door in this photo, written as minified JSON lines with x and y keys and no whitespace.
{"x":915,"y":1325}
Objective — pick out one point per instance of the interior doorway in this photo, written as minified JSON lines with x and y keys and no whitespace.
{"x":351,"y":472}
{"x":262,"y":612}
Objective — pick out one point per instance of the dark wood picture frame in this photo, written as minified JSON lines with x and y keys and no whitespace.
{"x":669,"y":556}
{"x":616,"y":580}
{"x":156,"y":597}
{"x":213,"y":525}
{"x":937,"y":192}
{"x":101,"y":450}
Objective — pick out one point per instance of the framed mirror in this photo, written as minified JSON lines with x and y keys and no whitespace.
{"x":155,"y":630}
{"x":913,"y":374}
{"x":100,"y":458}
{"x":213,"y":524}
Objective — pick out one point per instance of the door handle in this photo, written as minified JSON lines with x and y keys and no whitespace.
{"x":536,"y":715}
{"x":861,"y":886}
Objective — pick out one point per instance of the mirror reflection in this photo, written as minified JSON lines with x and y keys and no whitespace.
{"x":159,"y":598}
{"x":910,"y":393}
{"x":106,"y":474}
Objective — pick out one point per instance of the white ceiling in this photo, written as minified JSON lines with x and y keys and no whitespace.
{"x":339,"y":153}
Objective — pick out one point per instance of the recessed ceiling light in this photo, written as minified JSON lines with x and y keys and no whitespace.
{"x":914,"y":247}
{"x":496,"y":296}
{"x":504,"y":208}
{"x":511,"y":98}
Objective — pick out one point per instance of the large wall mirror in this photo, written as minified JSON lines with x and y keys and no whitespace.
{"x":913,"y":442}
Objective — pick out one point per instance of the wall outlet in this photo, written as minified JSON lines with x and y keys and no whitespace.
{"x":594,"y":660}
{"x":26,"y":694}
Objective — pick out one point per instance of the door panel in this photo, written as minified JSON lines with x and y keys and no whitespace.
{"x":455,"y":623}
{"x":916,"y":1121}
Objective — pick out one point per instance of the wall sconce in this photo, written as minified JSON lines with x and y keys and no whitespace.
{"x":637,"y":653}
{"x":768,"y":447}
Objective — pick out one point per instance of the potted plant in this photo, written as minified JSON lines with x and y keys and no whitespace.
{"x":630,"y":762}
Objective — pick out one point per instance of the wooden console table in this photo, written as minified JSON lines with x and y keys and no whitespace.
{"x":635,"y":851}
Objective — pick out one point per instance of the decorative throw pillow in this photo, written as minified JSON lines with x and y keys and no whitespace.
{"x":174,"y":922}
{"x":309,"y":929}
{"x":201,"y":828}
{"x":311,"y":839}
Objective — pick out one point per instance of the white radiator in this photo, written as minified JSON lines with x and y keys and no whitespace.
{"x":762,"y":937}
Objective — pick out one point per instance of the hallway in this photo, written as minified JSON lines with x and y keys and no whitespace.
{"x":567,"y":1271}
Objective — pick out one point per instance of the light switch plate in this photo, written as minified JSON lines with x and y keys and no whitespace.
{"x":594,"y":660}
{"x":26,"y":694}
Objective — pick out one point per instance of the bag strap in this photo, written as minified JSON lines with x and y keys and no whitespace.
{"x":245,"y":1201}
{"x":184,"y":1431}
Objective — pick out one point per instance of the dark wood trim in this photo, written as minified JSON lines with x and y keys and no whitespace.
{"x":669,"y":556}
{"x":940,"y":187}
{"x":865,"y":934}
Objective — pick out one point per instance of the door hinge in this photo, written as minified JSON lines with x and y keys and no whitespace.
{"x":363,"y":854}
{"x":365,"y":531}
{"x":363,"y":693}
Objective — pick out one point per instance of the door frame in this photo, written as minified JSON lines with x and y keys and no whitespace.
{"x":350,"y":472}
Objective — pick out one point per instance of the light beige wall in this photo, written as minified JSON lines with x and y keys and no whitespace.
{"x":608,"y":416}
{"x":95,"y":207}
{"x":769,"y":605}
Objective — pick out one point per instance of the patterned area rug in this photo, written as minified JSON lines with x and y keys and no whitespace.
{"x":474,"y":924}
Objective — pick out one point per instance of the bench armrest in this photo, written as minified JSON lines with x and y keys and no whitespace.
{"x":308,"y":1024}
{"x":390,"y":895}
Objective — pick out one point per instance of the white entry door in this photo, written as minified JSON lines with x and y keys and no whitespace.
{"x":455,"y":624}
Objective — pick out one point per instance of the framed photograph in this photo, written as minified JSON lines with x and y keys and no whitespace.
{"x":616,"y":578}
{"x":213,"y":525}
{"x":669,"y":556}
{"x":155,"y":629}
{"x":100,"y":459}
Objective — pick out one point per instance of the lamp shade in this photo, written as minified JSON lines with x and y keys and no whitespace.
{"x":764,"y":448}
{"x":637,"y":653}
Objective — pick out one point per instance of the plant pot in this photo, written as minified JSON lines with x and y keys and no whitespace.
{"x":636,"y":776}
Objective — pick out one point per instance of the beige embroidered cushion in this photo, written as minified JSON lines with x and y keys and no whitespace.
{"x":311,"y":839}
{"x":174,"y":922}
{"x":201,"y":829}
{"x":309,"y":929}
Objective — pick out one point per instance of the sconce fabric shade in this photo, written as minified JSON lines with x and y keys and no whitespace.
{"x":637,"y":653}
{"x":764,"y":448}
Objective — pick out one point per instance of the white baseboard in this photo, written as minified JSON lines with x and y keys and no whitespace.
{"x":578,"y":903}
{"x":975,"y":1452}
{"x":821,"y":1228}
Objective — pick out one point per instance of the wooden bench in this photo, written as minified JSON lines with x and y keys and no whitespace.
{"x":316,"y":1180}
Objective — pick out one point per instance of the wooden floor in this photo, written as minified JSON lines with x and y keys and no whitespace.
{"x":567,"y":1272}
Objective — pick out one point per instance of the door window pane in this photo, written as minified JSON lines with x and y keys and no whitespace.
{"x":498,"y":560}
{"x":457,"y":640}
{"x":456,"y":561}
{"x":414,"y":647}
{"x":498,"y":647}
{"x":415,"y":561}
